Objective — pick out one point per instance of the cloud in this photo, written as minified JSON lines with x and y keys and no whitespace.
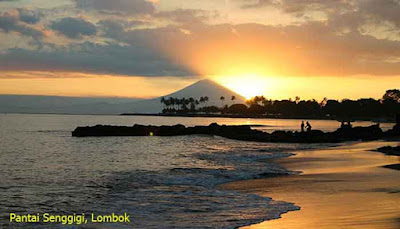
{"x":187,"y":16}
{"x":11,"y":22}
{"x":93,"y":58}
{"x":311,"y":49}
{"x":367,"y":10}
{"x":308,"y":49}
{"x":332,"y":38}
{"x":28,"y":16}
{"x":382,"y":10}
{"x":132,"y":7}
{"x":115,"y":28}
{"x":111,"y":27}
{"x":296,"y":6}
{"x":74,"y":27}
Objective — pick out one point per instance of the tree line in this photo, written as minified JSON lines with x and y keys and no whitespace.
{"x":192,"y":105}
{"x":346,"y":109}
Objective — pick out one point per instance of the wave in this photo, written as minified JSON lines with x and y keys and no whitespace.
{"x":188,"y":197}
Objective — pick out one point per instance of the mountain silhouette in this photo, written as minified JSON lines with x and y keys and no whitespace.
{"x":76,"y":105}
{"x":201,"y":88}
{"x":207,"y":88}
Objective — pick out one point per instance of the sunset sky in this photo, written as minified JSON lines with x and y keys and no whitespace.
{"x":141,"y":48}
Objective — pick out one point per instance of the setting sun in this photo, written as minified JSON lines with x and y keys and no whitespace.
{"x":247,"y":85}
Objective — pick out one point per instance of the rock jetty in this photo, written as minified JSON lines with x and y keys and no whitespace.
{"x":242,"y":132}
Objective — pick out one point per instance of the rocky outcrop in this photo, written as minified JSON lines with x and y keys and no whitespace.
{"x":395,"y":131}
{"x":234,"y":132}
{"x":388,"y":150}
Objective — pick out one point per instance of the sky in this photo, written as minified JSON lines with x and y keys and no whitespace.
{"x":147,"y":48}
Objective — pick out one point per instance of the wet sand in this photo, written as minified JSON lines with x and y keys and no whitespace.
{"x":340,"y":187}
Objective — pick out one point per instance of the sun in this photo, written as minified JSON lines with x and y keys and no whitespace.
{"x":247,"y":85}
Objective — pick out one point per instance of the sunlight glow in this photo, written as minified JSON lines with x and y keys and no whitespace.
{"x":247,"y":85}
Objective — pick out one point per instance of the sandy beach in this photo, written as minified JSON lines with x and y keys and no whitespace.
{"x":340,"y":187}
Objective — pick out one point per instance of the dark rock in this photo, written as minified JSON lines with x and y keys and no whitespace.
{"x":394,"y":166}
{"x":235,"y":132}
{"x":373,"y":132}
{"x":388,"y":150}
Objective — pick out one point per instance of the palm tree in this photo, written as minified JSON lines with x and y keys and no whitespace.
{"x":178,"y":103}
{"x":191,"y":100}
{"x":172,"y":102}
{"x":297,"y":100}
{"x":168,"y":103}
{"x":181,"y":103}
{"x":233,"y":98}
{"x":206,"y":99}
{"x":201,"y":100}
{"x":323,"y":102}
{"x":222,"y":101}
{"x":162,"y":100}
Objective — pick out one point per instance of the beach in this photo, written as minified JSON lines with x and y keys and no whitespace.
{"x":339,"y":187}
{"x":175,"y":182}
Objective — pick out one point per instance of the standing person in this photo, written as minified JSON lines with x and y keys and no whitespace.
{"x":302,"y":126}
{"x":308,"y":127}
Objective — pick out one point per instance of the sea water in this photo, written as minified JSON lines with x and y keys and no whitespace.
{"x":161,"y":182}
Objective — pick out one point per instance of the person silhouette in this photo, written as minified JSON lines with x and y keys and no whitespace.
{"x":302,"y":126}
{"x":308,"y":127}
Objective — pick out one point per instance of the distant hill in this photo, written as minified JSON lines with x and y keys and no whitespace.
{"x":77,"y":105}
{"x":60,"y":104}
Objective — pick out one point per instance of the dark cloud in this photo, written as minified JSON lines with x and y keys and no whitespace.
{"x":388,"y":10}
{"x":74,"y":27}
{"x":11,"y":22}
{"x":370,"y":11}
{"x":115,"y":28}
{"x":117,"y":6}
{"x":112,"y":27}
{"x":300,"y":6}
{"x":28,"y":16}
{"x":94,"y":58}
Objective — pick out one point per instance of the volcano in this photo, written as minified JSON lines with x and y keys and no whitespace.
{"x":202,"y":88}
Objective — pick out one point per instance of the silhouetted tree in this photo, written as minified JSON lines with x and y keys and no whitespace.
{"x":393,"y":94}
{"x":344,"y":110}
{"x":237,"y":109}
{"x":297,"y":99}
{"x":206,"y":99}
{"x":222,"y":98}
{"x":162,"y":100}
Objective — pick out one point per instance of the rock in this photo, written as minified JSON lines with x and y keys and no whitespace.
{"x":234,"y":132}
{"x":395,"y":131}
{"x":388,"y":150}
{"x":373,"y":132}
{"x":394,"y":166}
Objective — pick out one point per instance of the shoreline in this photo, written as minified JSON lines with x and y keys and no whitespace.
{"x":368,"y":119}
{"x":348,"y":186}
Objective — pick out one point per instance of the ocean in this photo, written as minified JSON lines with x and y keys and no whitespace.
{"x":161,"y":182}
